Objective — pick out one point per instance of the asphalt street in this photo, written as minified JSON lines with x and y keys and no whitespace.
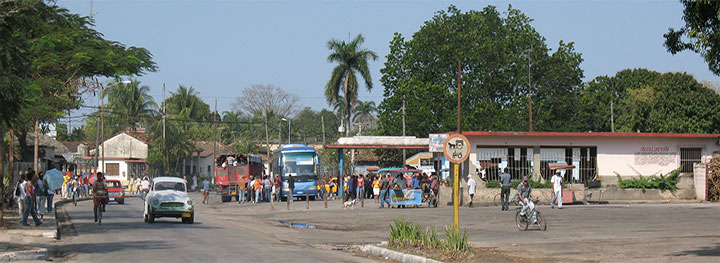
{"x":124,"y":237}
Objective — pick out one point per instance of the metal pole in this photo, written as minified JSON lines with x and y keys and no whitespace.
{"x":456,"y":167}
{"x":35,"y":147}
{"x":215,"y":142}
{"x":530,"y":112}
{"x":403,"y":123}
{"x":164,"y":157}
{"x":322,"y":119}
{"x":288,"y":130}
{"x":307,"y":200}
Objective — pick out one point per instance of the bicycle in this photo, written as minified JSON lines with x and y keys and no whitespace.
{"x":100,"y":200}
{"x":524,"y":221}
{"x":497,"y":201}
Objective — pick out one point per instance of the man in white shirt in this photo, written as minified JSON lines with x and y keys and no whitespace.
{"x":471,"y":189}
{"x":557,"y":190}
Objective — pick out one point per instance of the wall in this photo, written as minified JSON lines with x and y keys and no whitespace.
{"x":125,"y":146}
{"x":628,"y":156}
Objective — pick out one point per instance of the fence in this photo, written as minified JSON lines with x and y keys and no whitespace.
{"x":585,"y":168}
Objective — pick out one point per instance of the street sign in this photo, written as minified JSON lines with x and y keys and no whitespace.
{"x":456,"y":148}
{"x":436,"y":142}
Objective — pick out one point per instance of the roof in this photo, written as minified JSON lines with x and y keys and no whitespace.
{"x":168,"y":179}
{"x":73,"y":146}
{"x":591,"y":134}
{"x":140,"y":135}
{"x":47,"y":141}
{"x":381,"y":142}
{"x":296,"y":148}
{"x":206,"y":148}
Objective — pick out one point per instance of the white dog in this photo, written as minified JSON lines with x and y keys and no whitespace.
{"x":350,"y":203}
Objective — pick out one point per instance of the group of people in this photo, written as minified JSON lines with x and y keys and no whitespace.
{"x":259,"y":189}
{"x":378,"y":186}
{"x":139,"y":186}
{"x":74,"y":185}
{"x":32,"y":194}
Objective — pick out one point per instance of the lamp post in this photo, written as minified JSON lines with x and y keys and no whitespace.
{"x":288,"y":120}
{"x":102,"y":119}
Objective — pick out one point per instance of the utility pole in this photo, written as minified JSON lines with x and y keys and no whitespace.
{"x":530,"y":112}
{"x":288,"y":130}
{"x":214,"y":139}
{"x":612,"y":117}
{"x":35,"y":147}
{"x":102,"y":126}
{"x":279,"y":132}
{"x":164,"y":157}
{"x":322,"y":119}
{"x":403,"y":122}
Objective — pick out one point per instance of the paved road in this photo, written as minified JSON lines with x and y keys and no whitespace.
{"x":124,"y":237}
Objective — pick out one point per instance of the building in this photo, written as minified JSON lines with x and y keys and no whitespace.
{"x":595,"y":155}
{"x":125,"y":155}
{"x":202,"y":161}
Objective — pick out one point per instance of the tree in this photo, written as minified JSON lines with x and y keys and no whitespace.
{"x":364,"y":110}
{"x":700,"y":33}
{"x":648,"y":101}
{"x":131,"y":103}
{"x":351,"y":59}
{"x":505,"y":63}
{"x":185,"y":102}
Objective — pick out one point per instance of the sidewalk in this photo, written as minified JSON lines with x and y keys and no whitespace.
{"x":18,"y":242}
{"x":13,"y":226}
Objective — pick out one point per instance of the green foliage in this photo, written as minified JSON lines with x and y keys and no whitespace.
{"x":351,"y":59}
{"x":408,"y":234}
{"x":493,"y":184}
{"x":455,"y":241}
{"x":652,"y":182}
{"x":700,"y":33}
{"x":496,"y":50}
{"x":246,"y":147}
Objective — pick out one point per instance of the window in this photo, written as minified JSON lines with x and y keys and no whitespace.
{"x":688,"y":157}
{"x":208,"y":169}
{"x":112,"y":169}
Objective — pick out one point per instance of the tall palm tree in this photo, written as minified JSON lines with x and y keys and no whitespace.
{"x":351,"y":59}
{"x":364,"y":110}
{"x":131,"y":103}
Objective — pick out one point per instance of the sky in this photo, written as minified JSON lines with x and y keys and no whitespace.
{"x":221,"y":47}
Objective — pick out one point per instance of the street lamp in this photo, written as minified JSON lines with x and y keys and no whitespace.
{"x":288,"y":120}
{"x":102,"y":119}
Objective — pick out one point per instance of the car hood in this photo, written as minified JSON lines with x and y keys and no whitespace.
{"x":171,"y":196}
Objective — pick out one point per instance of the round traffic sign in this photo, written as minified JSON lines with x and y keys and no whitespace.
{"x":456,"y":148}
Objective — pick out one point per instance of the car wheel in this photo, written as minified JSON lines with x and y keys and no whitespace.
{"x":226,"y":199}
{"x":151,"y":217}
{"x":145,"y":217}
{"x":190,"y":220}
{"x":121,"y":202}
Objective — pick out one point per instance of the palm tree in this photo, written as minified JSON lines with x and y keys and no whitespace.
{"x":131,"y":103}
{"x":364,"y":110}
{"x":351,"y":59}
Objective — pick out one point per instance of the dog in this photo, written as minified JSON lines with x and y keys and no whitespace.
{"x":350,"y":203}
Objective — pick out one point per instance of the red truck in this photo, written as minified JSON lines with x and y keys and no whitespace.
{"x":233,"y":169}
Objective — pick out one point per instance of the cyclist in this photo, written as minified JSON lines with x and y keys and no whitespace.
{"x":145,"y":187}
{"x":525,"y":196}
{"x":100,"y":192}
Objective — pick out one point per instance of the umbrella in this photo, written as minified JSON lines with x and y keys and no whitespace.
{"x":54,"y":179}
{"x":92,"y":178}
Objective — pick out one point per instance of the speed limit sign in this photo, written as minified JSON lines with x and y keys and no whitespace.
{"x":456,"y":148}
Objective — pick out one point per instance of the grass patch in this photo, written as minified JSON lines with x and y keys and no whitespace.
{"x":405,"y":234}
{"x":652,"y":182}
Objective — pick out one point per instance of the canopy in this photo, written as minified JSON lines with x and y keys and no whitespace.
{"x":560,"y":166}
{"x":54,"y":179}
{"x":372,"y":169}
{"x":406,"y":171}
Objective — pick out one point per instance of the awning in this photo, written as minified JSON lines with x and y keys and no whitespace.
{"x":560,"y":166}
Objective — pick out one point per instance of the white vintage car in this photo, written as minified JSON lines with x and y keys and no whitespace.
{"x":168,"y":198}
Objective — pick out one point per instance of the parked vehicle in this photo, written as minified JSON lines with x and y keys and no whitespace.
{"x":115,"y":191}
{"x":232,"y":169}
{"x":168,"y":198}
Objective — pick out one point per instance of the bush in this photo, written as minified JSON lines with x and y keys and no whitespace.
{"x":408,"y":234}
{"x":652,"y":182}
{"x":492,"y":184}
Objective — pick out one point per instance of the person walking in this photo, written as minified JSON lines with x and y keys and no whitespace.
{"x":20,"y":195}
{"x":471,"y":189}
{"x":376,"y":189}
{"x":505,"y":190}
{"x":291,"y":187}
{"x":42,"y":195}
{"x":384,"y":188}
{"x":360,"y":189}
{"x":278,"y":187}
{"x":206,"y":190}
{"x":557,"y":190}
{"x":28,"y":197}
{"x":268,"y":186}
{"x":257,"y":186}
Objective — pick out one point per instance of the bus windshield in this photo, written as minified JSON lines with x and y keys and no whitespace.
{"x":299,"y":163}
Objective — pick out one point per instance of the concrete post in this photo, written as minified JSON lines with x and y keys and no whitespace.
{"x":340,"y":181}
{"x":536,"y":163}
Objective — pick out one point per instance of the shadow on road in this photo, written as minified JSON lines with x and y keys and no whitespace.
{"x":703,"y":252}
{"x":104,"y":247}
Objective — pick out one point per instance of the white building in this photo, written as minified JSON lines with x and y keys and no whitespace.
{"x":125,"y":156}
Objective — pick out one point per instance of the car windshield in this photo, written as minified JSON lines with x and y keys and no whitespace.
{"x":160,"y":186}
{"x":114,"y":184}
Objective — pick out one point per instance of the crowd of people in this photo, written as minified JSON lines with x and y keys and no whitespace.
{"x":378,"y":186}
{"x":35,"y":197}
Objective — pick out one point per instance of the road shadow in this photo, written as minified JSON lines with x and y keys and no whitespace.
{"x":105,"y":247}
{"x":702,"y":252}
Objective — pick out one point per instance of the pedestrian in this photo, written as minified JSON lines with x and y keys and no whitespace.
{"x":42,"y":195}
{"x":360,"y":189}
{"x":291,"y":187}
{"x":242,"y":188}
{"x":278,"y":187}
{"x":137,"y":186}
{"x":333,"y":188}
{"x":268,"y":186}
{"x":67,"y":177}
{"x":206,"y":190}
{"x":505,"y":190}
{"x":384,"y":188}
{"x":415,"y":181}
{"x":471,"y":189}
{"x":20,"y":195}
{"x":376,"y":189}
{"x":28,"y":196}
{"x":557,"y":190}
{"x":144,"y":185}
{"x":258,"y":190}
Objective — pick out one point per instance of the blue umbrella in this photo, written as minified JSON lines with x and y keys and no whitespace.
{"x":54,"y":179}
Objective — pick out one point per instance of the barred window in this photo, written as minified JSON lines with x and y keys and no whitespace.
{"x":688,"y":157}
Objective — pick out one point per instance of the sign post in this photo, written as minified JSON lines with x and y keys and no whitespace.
{"x":456,"y":149}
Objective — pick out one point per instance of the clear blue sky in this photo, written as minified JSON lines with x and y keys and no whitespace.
{"x":221,"y":47}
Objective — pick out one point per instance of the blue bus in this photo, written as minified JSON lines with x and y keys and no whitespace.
{"x":300,"y":162}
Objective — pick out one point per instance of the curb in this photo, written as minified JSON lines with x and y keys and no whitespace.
{"x":57,"y":222}
{"x":394,"y":255}
{"x":32,"y":254}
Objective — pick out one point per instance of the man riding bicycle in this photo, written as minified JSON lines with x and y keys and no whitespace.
{"x":100,"y":194}
{"x":525,"y":197}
